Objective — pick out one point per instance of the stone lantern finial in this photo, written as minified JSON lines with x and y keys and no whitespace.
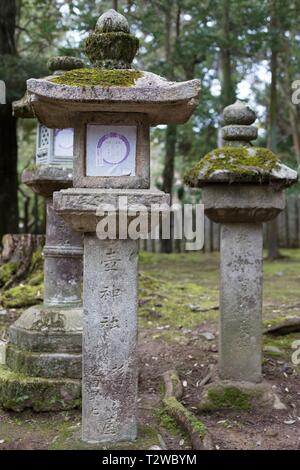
{"x":111,"y":46}
{"x":238,"y":130}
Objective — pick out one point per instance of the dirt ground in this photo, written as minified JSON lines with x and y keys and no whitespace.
{"x":173,"y":333}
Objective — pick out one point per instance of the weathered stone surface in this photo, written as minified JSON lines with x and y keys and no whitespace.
{"x":63,"y":262}
{"x":109,"y":340}
{"x":239,"y":396}
{"x":44,"y":364}
{"x":18,"y":392}
{"x":238,"y":113}
{"x":242,"y":203}
{"x":22,"y":108}
{"x":112,"y":21}
{"x":78,"y":206}
{"x":41,"y":329}
{"x":241,"y":302}
{"x":164,"y":102}
{"x":64,"y":63}
{"x":44,"y":180}
{"x":239,"y":132}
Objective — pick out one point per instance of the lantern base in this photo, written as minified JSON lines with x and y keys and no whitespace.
{"x":238,"y":395}
{"x":19,"y":391}
{"x":43,"y":361}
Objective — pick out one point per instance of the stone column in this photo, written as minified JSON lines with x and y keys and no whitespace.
{"x":240,"y":301}
{"x":63,"y":262}
{"x":109,"y":340}
{"x":242,"y":188}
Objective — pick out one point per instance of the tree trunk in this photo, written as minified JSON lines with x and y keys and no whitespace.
{"x":168,"y":174}
{"x":17,"y":256}
{"x":272,"y":232}
{"x":8,"y":140}
{"x":228,"y":87}
{"x":115,"y":5}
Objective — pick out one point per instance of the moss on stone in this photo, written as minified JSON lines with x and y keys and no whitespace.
{"x":18,"y":391}
{"x":22,"y":296}
{"x":6,"y":271}
{"x":241,"y":161}
{"x":116,"y":47}
{"x":98,"y":77}
{"x":227,"y":398}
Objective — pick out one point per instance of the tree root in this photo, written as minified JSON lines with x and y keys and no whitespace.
{"x":200,"y":438}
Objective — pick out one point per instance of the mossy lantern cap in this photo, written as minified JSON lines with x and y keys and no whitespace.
{"x":111,"y":84}
{"x":238,"y":161}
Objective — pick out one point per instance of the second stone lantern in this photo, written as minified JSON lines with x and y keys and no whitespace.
{"x":111,"y":108}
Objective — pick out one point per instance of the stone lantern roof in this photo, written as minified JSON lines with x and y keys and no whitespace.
{"x":238,"y":161}
{"x":111,"y":85}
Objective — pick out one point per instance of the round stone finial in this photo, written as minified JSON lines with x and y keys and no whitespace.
{"x":238,"y":118}
{"x":111,"y":46}
{"x":64,"y":63}
{"x":112,"y":21}
{"x":238,"y":113}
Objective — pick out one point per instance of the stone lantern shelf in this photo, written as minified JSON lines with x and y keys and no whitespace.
{"x":111,"y":108}
{"x":242,"y":187}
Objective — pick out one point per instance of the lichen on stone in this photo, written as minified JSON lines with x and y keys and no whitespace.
{"x":240,"y":161}
{"x":98,"y":77}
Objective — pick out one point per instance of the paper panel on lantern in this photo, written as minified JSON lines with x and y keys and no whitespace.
{"x":111,"y":150}
{"x":63,"y":142}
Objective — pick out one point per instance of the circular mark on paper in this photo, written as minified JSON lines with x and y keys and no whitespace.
{"x":114,"y":148}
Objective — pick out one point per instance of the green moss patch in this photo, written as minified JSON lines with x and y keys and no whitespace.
{"x":227,"y":398}
{"x":6,"y":271}
{"x":240,"y":161}
{"x":98,"y":77}
{"x":22,"y":296}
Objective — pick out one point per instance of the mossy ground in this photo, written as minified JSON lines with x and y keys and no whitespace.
{"x":98,"y":77}
{"x":240,"y":161}
{"x":171,"y":286}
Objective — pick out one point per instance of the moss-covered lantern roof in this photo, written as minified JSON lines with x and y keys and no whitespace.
{"x":111,"y":83}
{"x":238,"y":161}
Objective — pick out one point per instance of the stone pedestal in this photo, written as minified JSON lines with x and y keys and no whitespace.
{"x":110,"y":334}
{"x":44,"y":348}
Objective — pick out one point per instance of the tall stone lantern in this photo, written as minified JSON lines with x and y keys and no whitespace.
{"x":111,"y":108}
{"x":242,"y":187}
{"x":45,"y":343}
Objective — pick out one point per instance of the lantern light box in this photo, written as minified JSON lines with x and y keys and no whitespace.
{"x":111,"y":150}
{"x":54,"y":146}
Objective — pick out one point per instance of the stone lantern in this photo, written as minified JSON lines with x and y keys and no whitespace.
{"x":45,"y":343}
{"x":111,"y":108}
{"x":242,"y":187}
